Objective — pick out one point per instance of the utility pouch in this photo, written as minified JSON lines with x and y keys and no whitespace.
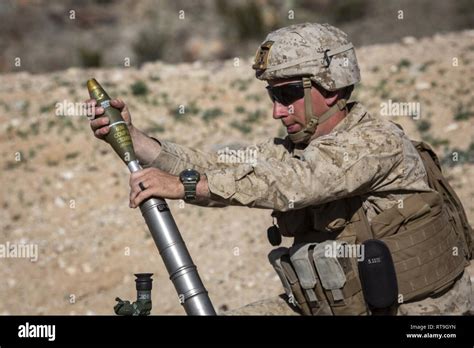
{"x":329,"y":269}
{"x":377,"y":275}
{"x":336,"y":265}
{"x":299,"y":255}
{"x":280,"y":260}
{"x":275,"y":259}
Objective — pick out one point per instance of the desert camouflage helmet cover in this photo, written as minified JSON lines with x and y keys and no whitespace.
{"x":319,"y":51}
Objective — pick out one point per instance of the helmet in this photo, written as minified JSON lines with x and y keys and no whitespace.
{"x":318,"y":53}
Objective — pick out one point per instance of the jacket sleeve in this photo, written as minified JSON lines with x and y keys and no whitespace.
{"x":334,"y":166}
{"x":174,"y":158}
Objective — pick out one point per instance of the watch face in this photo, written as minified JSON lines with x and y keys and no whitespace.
{"x":189,"y":175}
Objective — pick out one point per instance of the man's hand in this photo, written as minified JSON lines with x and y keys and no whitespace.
{"x":157,"y":183}
{"x":146,"y":148}
{"x":99,"y":125}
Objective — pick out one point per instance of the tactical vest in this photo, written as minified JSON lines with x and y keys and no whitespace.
{"x":429,"y":237}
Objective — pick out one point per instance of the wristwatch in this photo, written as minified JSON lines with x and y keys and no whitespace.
{"x":189,"y":178}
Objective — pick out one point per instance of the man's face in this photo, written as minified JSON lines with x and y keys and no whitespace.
{"x":292,"y":116}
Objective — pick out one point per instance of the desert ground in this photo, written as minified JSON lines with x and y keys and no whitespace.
{"x":67,"y":193}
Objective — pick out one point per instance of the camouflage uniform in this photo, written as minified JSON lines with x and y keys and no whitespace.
{"x":363,"y":155}
{"x":298,"y":176}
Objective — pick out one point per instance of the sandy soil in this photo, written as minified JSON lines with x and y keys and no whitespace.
{"x":67,"y":193}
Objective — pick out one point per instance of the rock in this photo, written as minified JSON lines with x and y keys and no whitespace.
{"x":86,"y":268}
{"x":59,"y":202}
{"x":67,"y":175}
{"x":115,"y":76}
{"x":11,"y":282}
{"x":126,"y":279}
{"x":19,"y":105}
{"x":71,"y":270}
{"x":422,"y":85}
{"x":451,"y":127}
{"x":15,"y":122}
{"x":409,"y":40}
{"x":61,"y":263}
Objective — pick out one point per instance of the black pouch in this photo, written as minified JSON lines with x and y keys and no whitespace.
{"x":377,"y":275}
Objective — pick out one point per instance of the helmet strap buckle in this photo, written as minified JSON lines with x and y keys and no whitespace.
{"x":327,"y":59}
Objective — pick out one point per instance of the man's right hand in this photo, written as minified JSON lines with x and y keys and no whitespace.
{"x":99,"y":125}
{"x":146,"y":148}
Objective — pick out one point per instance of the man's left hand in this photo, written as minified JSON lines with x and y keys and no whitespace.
{"x":156,"y":183}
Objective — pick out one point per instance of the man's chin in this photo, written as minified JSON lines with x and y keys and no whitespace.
{"x":295,"y":128}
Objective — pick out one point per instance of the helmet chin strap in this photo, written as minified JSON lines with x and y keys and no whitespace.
{"x":312,"y":122}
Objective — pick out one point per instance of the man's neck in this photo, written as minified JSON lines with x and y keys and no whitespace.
{"x":330,"y":124}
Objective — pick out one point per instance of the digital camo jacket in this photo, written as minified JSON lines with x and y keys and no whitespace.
{"x":364,"y":155}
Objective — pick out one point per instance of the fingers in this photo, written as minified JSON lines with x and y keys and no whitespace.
{"x":94,"y":112}
{"x":97,"y":112}
{"x":136,"y":177}
{"x":99,"y":127}
{"x":136,"y":190}
{"x":157,"y":184}
{"x":142,"y":195}
{"x":120,"y":104}
{"x":117,"y":103}
{"x":102,"y":132}
{"x":140,"y":176}
{"x":145,"y":177}
{"x":99,"y":122}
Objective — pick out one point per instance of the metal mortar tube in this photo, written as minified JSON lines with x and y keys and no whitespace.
{"x":183,"y":273}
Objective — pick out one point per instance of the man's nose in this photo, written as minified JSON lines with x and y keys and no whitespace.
{"x":279,"y":110}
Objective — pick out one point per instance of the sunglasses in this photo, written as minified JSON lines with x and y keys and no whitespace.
{"x":286,"y":94}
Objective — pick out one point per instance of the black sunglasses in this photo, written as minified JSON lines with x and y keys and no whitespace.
{"x":286,"y":94}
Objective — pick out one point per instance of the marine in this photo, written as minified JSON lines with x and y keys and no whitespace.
{"x":341,"y":175}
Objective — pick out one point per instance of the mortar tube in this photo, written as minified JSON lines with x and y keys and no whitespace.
{"x":178,"y":262}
